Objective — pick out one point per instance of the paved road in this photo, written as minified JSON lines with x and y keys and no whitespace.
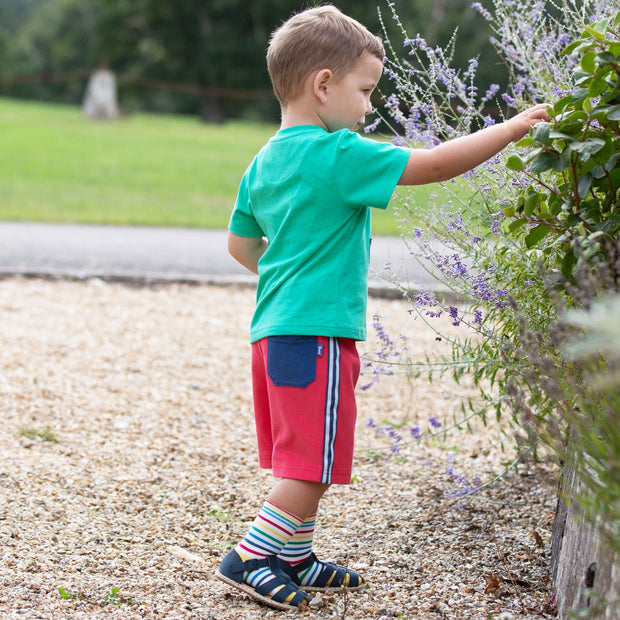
{"x":138,"y":254}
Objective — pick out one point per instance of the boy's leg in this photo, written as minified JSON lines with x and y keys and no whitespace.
{"x":299,"y":562}
{"x":252,"y":565}
{"x":301,"y":497}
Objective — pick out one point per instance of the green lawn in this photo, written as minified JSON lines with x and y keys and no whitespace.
{"x":57,"y":166}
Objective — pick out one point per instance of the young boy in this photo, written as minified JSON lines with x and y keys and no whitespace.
{"x":302,"y":223}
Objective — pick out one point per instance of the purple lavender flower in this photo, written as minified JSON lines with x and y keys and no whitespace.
{"x":484,"y":12}
{"x":415,"y":432}
{"x":465,"y":487}
{"x":454,"y":315}
{"x":434,"y":422}
{"x":511,"y":101}
{"x":370,"y":128}
{"x":490,"y":93}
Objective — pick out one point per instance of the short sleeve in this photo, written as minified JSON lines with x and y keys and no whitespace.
{"x":242,"y":221}
{"x":367,"y":171}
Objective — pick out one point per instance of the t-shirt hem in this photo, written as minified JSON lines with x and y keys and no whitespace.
{"x":255,"y":336}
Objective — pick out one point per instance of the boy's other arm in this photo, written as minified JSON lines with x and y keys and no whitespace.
{"x":246,"y":250}
{"x":457,"y":156}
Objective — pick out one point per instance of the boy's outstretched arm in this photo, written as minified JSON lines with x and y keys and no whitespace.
{"x":457,"y":156}
{"x":246,"y":250}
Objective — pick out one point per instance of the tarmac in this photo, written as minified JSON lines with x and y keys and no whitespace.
{"x":148,"y":256}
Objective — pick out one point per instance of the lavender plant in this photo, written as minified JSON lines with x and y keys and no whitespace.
{"x":531,"y":232}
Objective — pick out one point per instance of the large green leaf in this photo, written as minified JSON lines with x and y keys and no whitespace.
{"x":514,"y":162}
{"x":537,"y":234}
{"x":588,"y":147}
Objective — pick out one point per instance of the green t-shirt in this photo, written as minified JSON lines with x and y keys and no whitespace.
{"x":308,"y":192}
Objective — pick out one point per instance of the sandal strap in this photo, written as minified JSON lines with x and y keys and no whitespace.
{"x":331,"y":574}
{"x":234,"y":567}
{"x":281,"y":589}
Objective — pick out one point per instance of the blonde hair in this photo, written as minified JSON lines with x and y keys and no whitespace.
{"x":318,"y":38}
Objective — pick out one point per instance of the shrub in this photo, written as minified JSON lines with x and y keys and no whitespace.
{"x":531,"y":233}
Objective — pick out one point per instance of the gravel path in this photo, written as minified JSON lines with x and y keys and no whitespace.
{"x":128,"y":469}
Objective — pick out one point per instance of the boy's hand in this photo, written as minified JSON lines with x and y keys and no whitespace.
{"x":520,"y":124}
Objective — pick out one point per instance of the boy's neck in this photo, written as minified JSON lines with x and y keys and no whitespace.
{"x":296,"y":114}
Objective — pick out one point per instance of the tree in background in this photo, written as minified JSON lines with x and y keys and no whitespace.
{"x":216,"y":44}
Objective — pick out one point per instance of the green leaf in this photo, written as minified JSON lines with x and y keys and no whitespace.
{"x":597,"y":30}
{"x":605,"y":58}
{"x":561,"y":135}
{"x":579,"y":94}
{"x":610,"y":164}
{"x":588,"y":62}
{"x":588,"y":147}
{"x":515,"y":162}
{"x":581,"y":76}
{"x":614,"y":113}
{"x":598,"y":172}
{"x":612,"y":225}
{"x":596,"y":87}
{"x":584,"y":185}
{"x":537,"y":234}
{"x":530,"y":203}
{"x":569,"y":49}
{"x":568,"y":263}
{"x":526,"y":141}
{"x":571,"y":120}
{"x":602,"y":113}
{"x":555,"y":204}
{"x":545,"y":161}
{"x":560,"y":105}
{"x":514,"y":226}
{"x":540,"y":133}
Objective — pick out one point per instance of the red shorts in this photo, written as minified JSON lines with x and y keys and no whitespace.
{"x":304,"y":405}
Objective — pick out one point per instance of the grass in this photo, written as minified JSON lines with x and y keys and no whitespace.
{"x":36,"y":434}
{"x":146,"y":169}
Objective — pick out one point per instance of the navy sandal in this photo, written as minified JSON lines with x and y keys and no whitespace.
{"x":278,"y":591}
{"x":328,"y":575}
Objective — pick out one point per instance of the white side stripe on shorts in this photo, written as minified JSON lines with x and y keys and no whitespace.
{"x":331,"y":409}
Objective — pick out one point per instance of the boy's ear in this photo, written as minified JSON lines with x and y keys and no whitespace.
{"x":321,"y":82}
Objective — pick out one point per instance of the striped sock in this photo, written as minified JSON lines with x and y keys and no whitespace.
{"x":299,"y":547}
{"x":271,"y":530}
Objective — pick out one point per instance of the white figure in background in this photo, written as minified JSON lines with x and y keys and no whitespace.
{"x":100,"y":99}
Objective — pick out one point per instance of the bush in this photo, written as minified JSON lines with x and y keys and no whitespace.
{"x":529,"y":235}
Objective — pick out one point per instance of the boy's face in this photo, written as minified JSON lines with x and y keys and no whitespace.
{"x":348,"y":98}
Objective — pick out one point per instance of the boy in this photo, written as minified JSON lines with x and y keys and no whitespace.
{"x":302,"y":223}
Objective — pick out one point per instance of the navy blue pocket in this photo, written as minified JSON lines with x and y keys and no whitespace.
{"x":291,"y":360}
